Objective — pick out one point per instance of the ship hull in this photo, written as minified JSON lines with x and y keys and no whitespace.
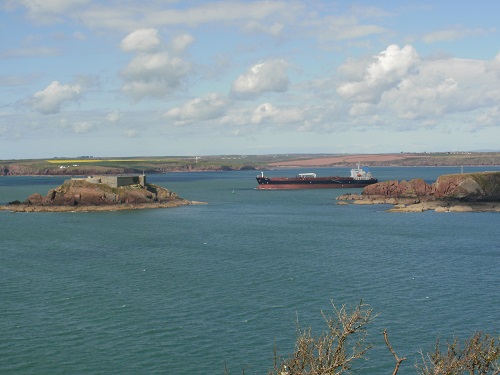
{"x":283,"y":183}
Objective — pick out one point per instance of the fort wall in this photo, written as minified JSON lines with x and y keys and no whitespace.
{"x":116,"y":181}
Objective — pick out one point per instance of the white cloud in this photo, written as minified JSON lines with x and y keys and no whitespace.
{"x":268,"y":76}
{"x":340,"y":27}
{"x":489,"y":118}
{"x":274,"y":29}
{"x":51,"y":99}
{"x":114,"y":116}
{"x":494,"y":65}
{"x":358,"y":31}
{"x":83,"y":127}
{"x":181,"y":42}
{"x":386,"y":70}
{"x":455,"y":33}
{"x":208,"y":107}
{"x":442,"y":88}
{"x":133,"y":15}
{"x":269,"y":113}
{"x":263,"y":112}
{"x":222,"y":11}
{"x":361,"y":109}
{"x":154,"y":75}
{"x":397,"y":85}
{"x":141,"y":40}
{"x":46,"y":11}
{"x":154,"y":71}
{"x":131,"y":133}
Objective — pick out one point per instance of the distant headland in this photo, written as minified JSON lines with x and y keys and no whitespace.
{"x":470,"y":192}
{"x":100,"y":193}
{"x":88,"y":165}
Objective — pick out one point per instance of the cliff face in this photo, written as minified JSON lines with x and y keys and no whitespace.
{"x":471,"y":187}
{"x":458,"y":193}
{"x":32,"y":170}
{"x":399,"y":189}
{"x":26,"y":169}
{"x":80,"y":194}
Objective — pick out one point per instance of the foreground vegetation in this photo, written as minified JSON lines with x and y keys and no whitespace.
{"x":342,"y":344}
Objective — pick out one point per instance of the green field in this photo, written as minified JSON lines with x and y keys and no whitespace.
{"x":156,"y":164}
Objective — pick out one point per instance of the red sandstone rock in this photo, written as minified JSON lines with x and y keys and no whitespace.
{"x":471,"y":187}
{"x":457,"y":193}
{"x":400,"y":189}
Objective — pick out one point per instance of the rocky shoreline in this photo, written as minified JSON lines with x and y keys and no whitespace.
{"x":115,"y":207}
{"x":83,"y":196}
{"x":472,"y":192}
{"x":402,"y":205}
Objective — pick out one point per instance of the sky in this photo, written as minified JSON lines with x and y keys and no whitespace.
{"x":108,"y":78}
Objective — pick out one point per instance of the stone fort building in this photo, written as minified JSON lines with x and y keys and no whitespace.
{"x":117,"y":180}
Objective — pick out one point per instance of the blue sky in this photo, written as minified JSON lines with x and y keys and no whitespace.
{"x":160,"y":77}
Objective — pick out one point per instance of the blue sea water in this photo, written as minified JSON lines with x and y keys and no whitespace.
{"x":207,"y":288}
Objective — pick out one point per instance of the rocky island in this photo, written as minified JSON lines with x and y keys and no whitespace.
{"x":100,"y":193}
{"x":471,"y":192}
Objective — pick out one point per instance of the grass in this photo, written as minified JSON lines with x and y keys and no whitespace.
{"x":99,"y":161}
{"x":159,"y":164}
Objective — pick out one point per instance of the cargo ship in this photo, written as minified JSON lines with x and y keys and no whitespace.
{"x":360,"y":177}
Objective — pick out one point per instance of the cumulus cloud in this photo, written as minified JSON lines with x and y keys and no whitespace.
{"x":263,"y":112}
{"x":386,"y":70}
{"x":114,"y":116}
{"x":131,"y":133}
{"x":51,"y":99}
{"x":398,"y":84}
{"x":208,"y":107}
{"x":181,"y":42}
{"x":153,"y":72}
{"x":268,"y":76}
{"x":443,"y":87}
{"x":154,"y":75}
{"x":490,"y":118}
{"x":83,"y":127}
{"x":269,"y":113}
{"x":141,"y":40}
{"x":494,"y":65}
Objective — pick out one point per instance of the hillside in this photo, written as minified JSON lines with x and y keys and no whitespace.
{"x":85,"y":166}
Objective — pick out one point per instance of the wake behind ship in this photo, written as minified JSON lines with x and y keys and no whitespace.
{"x":360,"y":177}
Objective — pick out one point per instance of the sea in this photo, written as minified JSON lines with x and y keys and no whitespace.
{"x":224,"y":287}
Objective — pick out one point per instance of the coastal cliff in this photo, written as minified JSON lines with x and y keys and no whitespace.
{"x":456,"y":192}
{"x":81,"y":195}
{"x":47,"y":169}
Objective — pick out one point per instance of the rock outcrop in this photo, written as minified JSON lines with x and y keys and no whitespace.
{"x":457,"y":192}
{"x":80,"y":195}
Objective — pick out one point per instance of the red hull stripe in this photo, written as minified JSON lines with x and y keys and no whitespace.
{"x":305,"y":186}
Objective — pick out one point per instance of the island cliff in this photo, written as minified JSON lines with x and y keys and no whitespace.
{"x":81,"y":195}
{"x":456,"y":192}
